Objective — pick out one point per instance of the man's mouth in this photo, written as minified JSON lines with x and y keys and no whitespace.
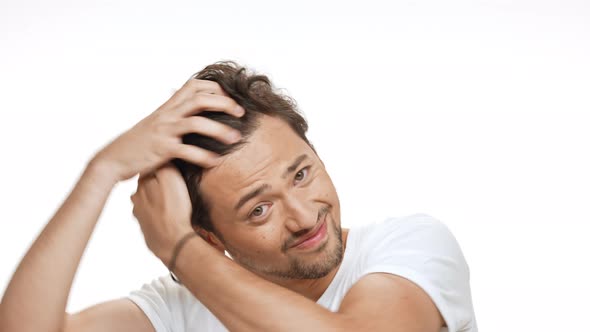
{"x":314,"y":237}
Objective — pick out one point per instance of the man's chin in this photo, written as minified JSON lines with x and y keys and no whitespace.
{"x":301,"y":264}
{"x":328,"y":257}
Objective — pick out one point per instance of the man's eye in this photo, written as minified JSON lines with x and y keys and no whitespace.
{"x":259,"y":210}
{"x":301,"y":174}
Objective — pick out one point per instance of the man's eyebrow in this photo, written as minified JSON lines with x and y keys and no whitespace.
{"x":251,"y":195}
{"x":265,"y":187}
{"x":294,"y":165}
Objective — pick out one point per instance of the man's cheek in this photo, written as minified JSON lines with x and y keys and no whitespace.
{"x":322,"y":189}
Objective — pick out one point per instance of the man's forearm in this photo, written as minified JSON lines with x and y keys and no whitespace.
{"x":36,"y":297}
{"x":245,"y":302}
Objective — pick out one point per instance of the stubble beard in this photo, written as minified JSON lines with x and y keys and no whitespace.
{"x":300,"y":267}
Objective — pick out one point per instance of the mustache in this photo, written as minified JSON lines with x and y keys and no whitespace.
{"x":293,"y":238}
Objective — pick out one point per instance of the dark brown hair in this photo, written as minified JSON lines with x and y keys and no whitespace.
{"x":256,"y":94}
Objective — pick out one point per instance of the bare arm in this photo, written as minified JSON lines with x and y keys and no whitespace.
{"x":40,"y":286}
{"x":36,"y":297}
{"x":246,"y":302}
{"x":243,"y":301}
{"x":116,"y":315}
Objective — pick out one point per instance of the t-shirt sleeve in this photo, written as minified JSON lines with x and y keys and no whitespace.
{"x":423,"y":250}
{"x":160,"y":302}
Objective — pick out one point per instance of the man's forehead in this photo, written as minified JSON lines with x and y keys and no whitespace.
{"x":270,"y":147}
{"x":240,"y":165}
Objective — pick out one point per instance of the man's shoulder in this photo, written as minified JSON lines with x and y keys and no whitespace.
{"x":408,"y":240}
{"x":421,"y":249}
{"x":167,"y":302}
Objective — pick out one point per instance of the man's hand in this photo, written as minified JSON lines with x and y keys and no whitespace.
{"x":158,"y":138}
{"x":163,"y":209}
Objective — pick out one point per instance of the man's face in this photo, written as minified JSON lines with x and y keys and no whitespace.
{"x":269,"y":196}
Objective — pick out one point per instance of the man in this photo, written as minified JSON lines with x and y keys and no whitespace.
{"x":250,"y":184}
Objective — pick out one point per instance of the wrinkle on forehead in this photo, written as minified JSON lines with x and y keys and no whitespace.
{"x":270,"y":146}
{"x":244,"y":163}
{"x":240,"y":173}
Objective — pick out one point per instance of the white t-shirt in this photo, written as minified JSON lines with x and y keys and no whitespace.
{"x":418,"y":248}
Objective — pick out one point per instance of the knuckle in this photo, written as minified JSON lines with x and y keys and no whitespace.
{"x":164,"y":150}
{"x":197,"y":101}
{"x":192,"y":81}
{"x":196,"y":122}
{"x":175,"y":150}
{"x":215,"y":85}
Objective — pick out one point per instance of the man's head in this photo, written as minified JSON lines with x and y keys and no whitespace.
{"x":271,"y":190}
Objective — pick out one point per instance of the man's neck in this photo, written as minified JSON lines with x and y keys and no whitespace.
{"x":313,"y":288}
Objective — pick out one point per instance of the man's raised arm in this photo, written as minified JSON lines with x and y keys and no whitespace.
{"x":36,"y":297}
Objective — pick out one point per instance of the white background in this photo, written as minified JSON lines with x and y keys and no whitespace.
{"x":475,"y":112}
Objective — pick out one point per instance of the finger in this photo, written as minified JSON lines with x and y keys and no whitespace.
{"x":194,"y":85}
{"x":196,"y":155}
{"x":171,"y":177}
{"x":208,"y":127}
{"x":208,"y":102}
{"x":147,"y":187}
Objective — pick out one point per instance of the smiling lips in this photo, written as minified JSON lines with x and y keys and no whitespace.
{"x":313,"y":238}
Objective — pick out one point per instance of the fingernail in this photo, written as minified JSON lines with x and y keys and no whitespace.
{"x":235,"y":136}
{"x":240,"y":110}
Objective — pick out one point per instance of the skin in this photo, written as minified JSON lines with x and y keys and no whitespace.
{"x":40,"y":285}
{"x":258,"y":235}
{"x":247,"y":293}
{"x":243,"y":293}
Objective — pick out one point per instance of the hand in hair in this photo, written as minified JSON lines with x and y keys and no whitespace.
{"x":157,"y":139}
{"x":162,"y":207}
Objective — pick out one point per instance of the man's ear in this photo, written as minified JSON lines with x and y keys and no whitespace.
{"x":211,"y":238}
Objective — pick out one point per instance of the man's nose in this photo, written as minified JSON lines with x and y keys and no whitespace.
{"x":299,"y":214}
